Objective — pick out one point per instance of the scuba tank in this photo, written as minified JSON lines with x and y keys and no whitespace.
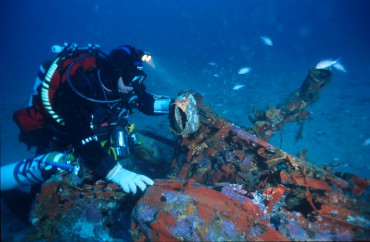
{"x":35,"y":171}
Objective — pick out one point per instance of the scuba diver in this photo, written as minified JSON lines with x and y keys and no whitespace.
{"x":80,"y":104}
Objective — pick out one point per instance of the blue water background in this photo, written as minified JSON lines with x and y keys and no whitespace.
{"x":186,"y":36}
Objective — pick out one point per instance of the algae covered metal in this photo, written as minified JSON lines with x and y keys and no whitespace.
{"x":226,"y":183}
{"x":236,"y":186}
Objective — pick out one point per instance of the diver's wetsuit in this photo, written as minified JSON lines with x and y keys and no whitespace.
{"x":78,"y":113}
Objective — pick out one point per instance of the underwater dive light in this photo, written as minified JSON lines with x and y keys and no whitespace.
{"x":146,"y":57}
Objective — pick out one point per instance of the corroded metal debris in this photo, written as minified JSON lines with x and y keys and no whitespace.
{"x":226,"y":183}
{"x":187,"y":211}
{"x":267,"y":122}
{"x":298,"y":200}
{"x":176,"y":210}
{"x":69,"y":210}
{"x":185,"y":116}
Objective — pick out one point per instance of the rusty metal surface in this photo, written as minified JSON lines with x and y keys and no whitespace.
{"x":225,"y":183}
{"x":265,"y":123}
{"x":67,"y":210}
{"x":185,"y":211}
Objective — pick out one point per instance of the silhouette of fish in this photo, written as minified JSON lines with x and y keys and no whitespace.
{"x":328,"y":64}
{"x":266,"y":40}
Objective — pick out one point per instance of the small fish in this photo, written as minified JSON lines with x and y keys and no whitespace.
{"x":339,"y":67}
{"x":237,"y":87}
{"x":212,"y":64}
{"x":340,"y":166}
{"x":336,"y":159}
{"x":244,"y":70}
{"x":366,"y":142}
{"x":266,"y":40}
{"x":330,"y":63}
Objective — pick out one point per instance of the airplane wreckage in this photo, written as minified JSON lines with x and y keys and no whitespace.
{"x":223,"y":183}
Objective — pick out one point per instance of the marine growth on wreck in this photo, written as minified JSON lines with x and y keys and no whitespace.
{"x":225,"y":183}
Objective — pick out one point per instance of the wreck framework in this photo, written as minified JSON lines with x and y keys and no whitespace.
{"x":226,"y":183}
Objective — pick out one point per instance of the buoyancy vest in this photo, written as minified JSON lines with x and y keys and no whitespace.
{"x":66,"y":64}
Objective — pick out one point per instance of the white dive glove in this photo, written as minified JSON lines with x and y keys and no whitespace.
{"x":128,"y":180}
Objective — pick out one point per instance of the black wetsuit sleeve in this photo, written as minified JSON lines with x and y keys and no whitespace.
{"x":145,"y":101}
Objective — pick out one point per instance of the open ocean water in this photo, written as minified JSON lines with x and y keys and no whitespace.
{"x":201,"y":45}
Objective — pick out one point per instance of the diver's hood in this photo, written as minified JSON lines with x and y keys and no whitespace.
{"x":108,"y":74}
{"x":127,"y":62}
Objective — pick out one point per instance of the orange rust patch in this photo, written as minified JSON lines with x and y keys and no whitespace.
{"x":166,"y":218}
{"x":274,"y":196}
{"x":298,"y":179}
{"x":262,"y":152}
{"x":162,"y":232}
{"x":335,"y":211}
{"x":360,"y":185}
{"x":205,"y":213}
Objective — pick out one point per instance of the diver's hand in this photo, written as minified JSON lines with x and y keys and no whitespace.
{"x":128,"y":180}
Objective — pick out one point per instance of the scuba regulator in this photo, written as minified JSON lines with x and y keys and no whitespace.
{"x":119,"y":140}
{"x":122,"y":138}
